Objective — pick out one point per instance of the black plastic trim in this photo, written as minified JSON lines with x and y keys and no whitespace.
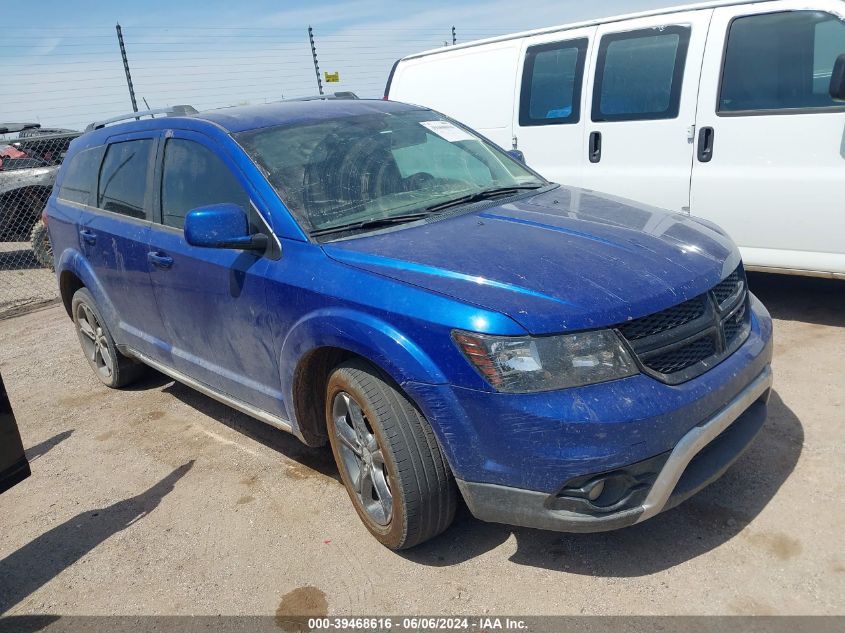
{"x":706,"y":138}
{"x":714,"y":459}
{"x":710,"y":324}
{"x":594,"y":148}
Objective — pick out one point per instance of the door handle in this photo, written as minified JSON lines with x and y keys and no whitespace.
{"x":89,"y":237}
{"x":594,"y":151}
{"x":705,"y":144}
{"x":159,"y":260}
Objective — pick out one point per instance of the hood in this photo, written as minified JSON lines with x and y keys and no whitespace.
{"x":566,"y":259}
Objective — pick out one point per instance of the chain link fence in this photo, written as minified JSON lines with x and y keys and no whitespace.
{"x":28,"y":167}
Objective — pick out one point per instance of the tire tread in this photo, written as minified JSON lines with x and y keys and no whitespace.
{"x":428,"y":487}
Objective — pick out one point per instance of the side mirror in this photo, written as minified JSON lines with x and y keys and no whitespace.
{"x":516,"y":155}
{"x":837,"y":79}
{"x":222,"y":226}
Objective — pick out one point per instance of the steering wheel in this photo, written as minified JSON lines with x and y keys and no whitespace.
{"x":419,"y":180}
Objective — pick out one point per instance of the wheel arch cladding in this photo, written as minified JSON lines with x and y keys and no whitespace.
{"x":322,"y":340}
{"x":74,"y":272}
{"x":69,"y":283}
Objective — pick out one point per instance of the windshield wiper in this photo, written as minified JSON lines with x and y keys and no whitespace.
{"x":371,"y":223}
{"x":484,"y":194}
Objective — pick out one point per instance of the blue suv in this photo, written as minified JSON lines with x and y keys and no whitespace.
{"x":379,"y":277}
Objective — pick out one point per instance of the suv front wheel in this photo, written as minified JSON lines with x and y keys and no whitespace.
{"x":388,"y":457}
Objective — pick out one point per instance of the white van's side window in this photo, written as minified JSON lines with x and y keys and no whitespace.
{"x":551,"y":83}
{"x":639,"y":74}
{"x":780,"y":61}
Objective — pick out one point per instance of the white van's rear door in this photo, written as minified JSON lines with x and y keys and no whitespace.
{"x":770,"y":141}
{"x":549,"y":115}
{"x":642,"y":92}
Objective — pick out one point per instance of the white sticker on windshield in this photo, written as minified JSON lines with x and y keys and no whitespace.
{"x":446,"y":130}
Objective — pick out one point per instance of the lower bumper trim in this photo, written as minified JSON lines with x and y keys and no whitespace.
{"x":526,"y":508}
{"x":696,"y":461}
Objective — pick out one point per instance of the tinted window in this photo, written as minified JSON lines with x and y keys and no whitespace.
{"x":639,"y":74}
{"x":195,"y":177}
{"x":781,"y":61}
{"x":80,"y":176}
{"x":123,"y":178}
{"x":551,"y":83}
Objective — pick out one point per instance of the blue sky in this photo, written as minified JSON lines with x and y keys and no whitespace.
{"x":65,"y":68}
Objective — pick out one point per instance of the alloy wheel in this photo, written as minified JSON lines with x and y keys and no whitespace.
{"x":362,"y":458}
{"x":94,"y":342}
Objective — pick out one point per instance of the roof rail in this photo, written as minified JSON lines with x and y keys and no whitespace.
{"x":177,"y":110}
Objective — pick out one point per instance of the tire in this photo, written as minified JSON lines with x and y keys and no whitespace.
{"x":112,"y":368}
{"x":408,"y":493}
{"x":41,"y":247}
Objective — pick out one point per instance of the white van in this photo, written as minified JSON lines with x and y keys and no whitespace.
{"x":722,"y":110}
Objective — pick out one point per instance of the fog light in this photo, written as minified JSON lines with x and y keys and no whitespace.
{"x":595,"y":491}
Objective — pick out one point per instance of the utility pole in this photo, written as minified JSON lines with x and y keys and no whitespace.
{"x":314,"y":57}
{"x":126,"y":67}
{"x":454,"y":37}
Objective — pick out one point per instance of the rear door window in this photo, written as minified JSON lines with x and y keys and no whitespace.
{"x":639,"y":74}
{"x":79,"y":182}
{"x":551,"y":83}
{"x":195,"y":177}
{"x":781,"y":61}
{"x":123,"y":178}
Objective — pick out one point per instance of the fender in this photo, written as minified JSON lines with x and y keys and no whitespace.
{"x":360,"y":333}
{"x":71,"y":260}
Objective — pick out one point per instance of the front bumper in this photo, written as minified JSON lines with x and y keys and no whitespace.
{"x":701,"y":456}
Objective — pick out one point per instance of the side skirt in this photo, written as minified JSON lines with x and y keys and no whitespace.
{"x":243,"y":407}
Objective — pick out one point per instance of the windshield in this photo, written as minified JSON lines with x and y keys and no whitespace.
{"x":379,"y":166}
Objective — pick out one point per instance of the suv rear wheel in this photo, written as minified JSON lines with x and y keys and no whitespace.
{"x":388,"y":457}
{"x":111,"y":367}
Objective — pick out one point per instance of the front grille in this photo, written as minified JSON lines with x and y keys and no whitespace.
{"x":665,"y":320}
{"x":682,"y":357}
{"x":728,"y":287}
{"x":684,"y":341}
{"x":735,"y":324}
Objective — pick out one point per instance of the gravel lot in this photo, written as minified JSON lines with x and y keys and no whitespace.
{"x":158,"y":500}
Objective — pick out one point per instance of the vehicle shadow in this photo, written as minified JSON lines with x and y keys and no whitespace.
{"x":704,"y":522}
{"x":806,"y":299}
{"x":317,"y":459}
{"x":39,"y":561}
{"x":47,"y":445}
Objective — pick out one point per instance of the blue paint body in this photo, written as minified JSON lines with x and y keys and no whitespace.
{"x":560,"y":261}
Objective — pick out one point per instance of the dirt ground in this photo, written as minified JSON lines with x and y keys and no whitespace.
{"x":158,"y":500}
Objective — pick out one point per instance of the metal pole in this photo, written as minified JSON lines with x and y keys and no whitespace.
{"x":314,"y":56}
{"x":454,"y":37}
{"x":126,"y":67}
